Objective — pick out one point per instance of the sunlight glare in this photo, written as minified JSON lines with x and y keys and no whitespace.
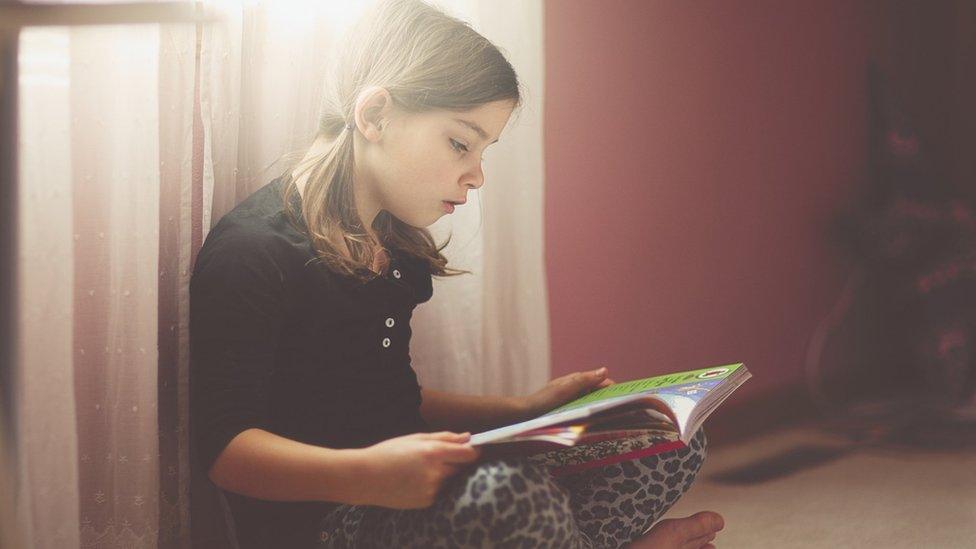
{"x":301,"y":15}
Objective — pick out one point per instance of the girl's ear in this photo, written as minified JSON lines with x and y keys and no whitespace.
{"x":374,"y":107}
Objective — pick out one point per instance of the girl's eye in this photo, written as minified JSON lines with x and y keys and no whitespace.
{"x":458,"y":147}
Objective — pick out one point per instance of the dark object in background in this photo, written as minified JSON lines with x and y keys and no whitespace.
{"x":916,"y":235}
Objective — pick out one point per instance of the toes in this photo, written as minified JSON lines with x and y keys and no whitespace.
{"x":698,"y":525}
{"x":709,"y":520}
{"x":699,"y":542}
{"x":694,"y":532}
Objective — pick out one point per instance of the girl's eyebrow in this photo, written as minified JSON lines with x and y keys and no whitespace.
{"x":475,"y":127}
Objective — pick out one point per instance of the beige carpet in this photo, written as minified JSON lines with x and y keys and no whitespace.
{"x":802,"y":488}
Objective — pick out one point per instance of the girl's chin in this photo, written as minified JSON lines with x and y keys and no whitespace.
{"x":418,"y":223}
{"x":421,"y":220}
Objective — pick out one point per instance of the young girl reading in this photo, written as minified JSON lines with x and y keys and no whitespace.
{"x":304,"y":407}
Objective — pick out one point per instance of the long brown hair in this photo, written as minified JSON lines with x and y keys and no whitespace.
{"x":426,"y":60}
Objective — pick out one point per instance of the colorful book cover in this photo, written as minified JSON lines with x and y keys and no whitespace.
{"x":674,"y":396}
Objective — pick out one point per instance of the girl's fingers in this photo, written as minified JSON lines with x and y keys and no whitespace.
{"x":459,"y":453}
{"x":445,"y":435}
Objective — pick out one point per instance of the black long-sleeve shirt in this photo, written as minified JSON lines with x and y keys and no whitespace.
{"x":284,"y":344}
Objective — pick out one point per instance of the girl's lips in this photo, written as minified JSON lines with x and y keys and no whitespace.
{"x":448,"y":207}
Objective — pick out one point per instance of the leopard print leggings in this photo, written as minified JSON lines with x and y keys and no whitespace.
{"x":604,"y":494}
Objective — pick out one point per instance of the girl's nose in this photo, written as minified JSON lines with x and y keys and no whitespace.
{"x":476,"y":178}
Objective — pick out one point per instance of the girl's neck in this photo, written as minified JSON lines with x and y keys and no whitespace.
{"x":362,"y":195}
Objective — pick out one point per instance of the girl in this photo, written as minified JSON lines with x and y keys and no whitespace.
{"x":305,"y":408}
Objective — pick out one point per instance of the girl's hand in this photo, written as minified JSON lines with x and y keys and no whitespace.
{"x":564,"y":389}
{"x":407,"y":472}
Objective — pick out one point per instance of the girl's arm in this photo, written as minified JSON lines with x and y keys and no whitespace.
{"x":263,"y":465}
{"x":405,"y":472}
{"x":471,"y":413}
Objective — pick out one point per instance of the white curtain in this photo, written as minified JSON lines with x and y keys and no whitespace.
{"x":134,"y":141}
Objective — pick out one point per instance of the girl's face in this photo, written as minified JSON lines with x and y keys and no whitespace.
{"x":417,"y":161}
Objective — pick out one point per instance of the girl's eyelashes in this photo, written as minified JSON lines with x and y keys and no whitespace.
{"x":458,"y":146}
{"x":462,"y":148}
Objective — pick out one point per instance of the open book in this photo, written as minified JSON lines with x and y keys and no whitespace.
{"x":672,"y":405}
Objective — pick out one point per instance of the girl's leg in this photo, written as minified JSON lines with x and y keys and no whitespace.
{"x":615,"y":504}
{"x":505,"y":502}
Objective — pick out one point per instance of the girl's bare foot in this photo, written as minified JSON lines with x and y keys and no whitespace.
{"x":694,"y":532}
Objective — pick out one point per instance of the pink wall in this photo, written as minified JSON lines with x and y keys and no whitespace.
{"x":694,"y":155}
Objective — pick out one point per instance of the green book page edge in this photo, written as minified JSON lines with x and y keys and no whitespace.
{"x":649,"y":384}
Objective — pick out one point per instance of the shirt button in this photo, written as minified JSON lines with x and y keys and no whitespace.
{"x":389,"y":322}
{"x":386,"y":342}
{"x":396,"y":273}
{"x":324,"y":536}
